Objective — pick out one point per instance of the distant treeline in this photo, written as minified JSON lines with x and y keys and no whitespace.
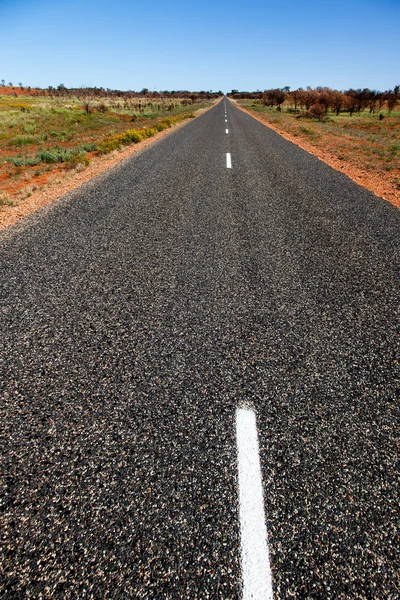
{"x":321,"y":99}
{"x":100,"y":92}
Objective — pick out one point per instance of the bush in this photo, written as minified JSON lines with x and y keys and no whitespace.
{"x":149,"y":131}
{"x":161,"y":126}
{"x":109,"y":145}
{"x":307,"y":130}
{"x":23,"y":140}
{"x":19,"y":161}
{"x":77,"y":159}
{"x":55,"y":155}
{"x":63,"y":155}
{"x":134,"y":136}
{"x":317,"y":111}
{"x":89,"y":147}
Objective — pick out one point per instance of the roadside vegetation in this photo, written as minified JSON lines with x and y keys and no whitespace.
{"x":48,"y":134}
{"x":359,"y":129}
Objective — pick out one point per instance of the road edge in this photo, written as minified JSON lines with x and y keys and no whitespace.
{"x":357,"y":175}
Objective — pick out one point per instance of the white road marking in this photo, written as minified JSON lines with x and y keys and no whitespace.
{"x":256,"y":571}
{"x":228,"y":160}
{"x":227,"y":130}
{"x":226,"y":120}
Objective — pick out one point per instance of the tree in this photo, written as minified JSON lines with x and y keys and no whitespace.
{"x":318,"y":111}
{"x":337,"y":102}
{"x":307,"y":98}
{"x":392,"y":97}
{"x":3,"y":82}
{"x":280,"y":97}
{"x":295,"y":97}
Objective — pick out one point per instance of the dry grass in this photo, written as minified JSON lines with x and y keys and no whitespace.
{"x":5,"y":199}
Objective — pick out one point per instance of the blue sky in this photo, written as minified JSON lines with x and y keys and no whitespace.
{"x":164,"y":44}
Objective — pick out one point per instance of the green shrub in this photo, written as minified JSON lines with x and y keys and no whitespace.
{"x":89,"y":147}
{"x":61,"y":155}
{"x":132,"y":136}
{"x":77,"y":159}
{"x":29,"y":128}
{"x":23,"y":140}
{"x":55,"y":155}
{"x":19,"y":161}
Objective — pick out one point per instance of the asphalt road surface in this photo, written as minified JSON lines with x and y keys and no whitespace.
{"x":139,"y":312}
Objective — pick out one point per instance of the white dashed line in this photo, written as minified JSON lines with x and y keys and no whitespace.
{"x":256,"y":571}
{"x":228,"y":161}
{"x":226,"y":120}
{"x":227,"y":130}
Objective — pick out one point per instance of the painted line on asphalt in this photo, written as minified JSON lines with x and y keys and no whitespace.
{"x":226,"y":120}
{"x":228,"y":160}
{"x":256,"y":570}
{"x":227,"y":130}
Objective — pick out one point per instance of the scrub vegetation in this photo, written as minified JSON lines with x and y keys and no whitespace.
{"x":45,"y":134}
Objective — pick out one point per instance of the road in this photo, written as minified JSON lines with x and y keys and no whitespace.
{"x":138,"y":313}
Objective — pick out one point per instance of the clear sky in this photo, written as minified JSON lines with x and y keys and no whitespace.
{"x":209,"y":45}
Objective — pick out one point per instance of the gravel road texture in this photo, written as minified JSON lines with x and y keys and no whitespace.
{"x":137,"y":313}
